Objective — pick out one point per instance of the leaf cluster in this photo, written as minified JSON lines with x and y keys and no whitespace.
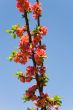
{"x":12,"y":31}
{"x":12,"y":55}
{"x":57,"y":100}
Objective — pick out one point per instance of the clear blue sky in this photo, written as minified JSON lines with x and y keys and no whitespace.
{"x":58,"y":17}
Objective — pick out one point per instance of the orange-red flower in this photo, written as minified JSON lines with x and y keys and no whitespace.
{"x":36,"y":10}
{"x":23,"y":5}
{"x":30,"y":93}
{"x":40,"y":54}
{"x":31,"y":71}
{"x":42,"y":101}
{"x":22,"y":79}
{"x":24,"y":41}
{"x":21,"y":57}
{"x":43,"y":30}
{"x":20,"y":31}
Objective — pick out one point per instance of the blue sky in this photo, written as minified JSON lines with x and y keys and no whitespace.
{"x":58,"y":17}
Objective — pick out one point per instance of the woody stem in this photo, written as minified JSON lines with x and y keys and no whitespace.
{"x":38,"y":20}
{"x":41,"y":88}
{"x":30,"y":41}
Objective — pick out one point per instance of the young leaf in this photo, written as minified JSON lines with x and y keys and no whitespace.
{"x":7,"y":31}
{"x":58,"y":101}
{"x":12,"y":55}
{"x":14,"y":35}
{"x":10,"y":31}
{"x":25,"y":98}
{"x":14,"y":27}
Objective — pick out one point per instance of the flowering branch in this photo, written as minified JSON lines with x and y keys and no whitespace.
{"x":30,"y":47}
{"x":33,"y":59}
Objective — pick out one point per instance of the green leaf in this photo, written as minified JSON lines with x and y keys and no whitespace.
{"x":9,"y":31}
{"x":59,"y":103}
{"x":14,"y":35}
{"x":29,"y":11}
{"x":36,"y":30}
{"x":12,"y":31}
{"x":46,"y":77}
{"x":14,"y":52}
{"x":18,"y":73}
{"x":12,"y":55}
{"x":10,"y":58}
{"x":14,"y":27}
{"x":14,"y":74}
{"x":32,"y":109}
{"x":25,"y":98}
{"x":57,"y":99}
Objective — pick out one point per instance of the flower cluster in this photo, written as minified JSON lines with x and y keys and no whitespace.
{"x":23,"y":5}
{"x":30,"y":93}
{"x":40,"y":54}
{"x":38,"y":33}
{"x":42,"y":102}
{"x":20,"y":31}
{"x":20,"y":57}
{"x":37,"y":10}
{"x":31,"y":71}
{"x":31,"y":48}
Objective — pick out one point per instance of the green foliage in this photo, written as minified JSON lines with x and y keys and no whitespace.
{"x":58,"y":101}
{"x":36,"y":30}
{"x":32,"y":109}
{"x":14,"y":27}
{"x":12,"y":33}
{"x":46,"y":78}
{"x":12,"y":55}
{"x":25,"y":98}
{"x":13,"y":30}
{"x":18,"y":74}
{"x":9,"y":31}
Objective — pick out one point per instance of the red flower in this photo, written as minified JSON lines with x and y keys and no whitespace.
{"x":24,"y":41}
{"x":36,"y":39}
{"x":34,"y":97}
{"x":21,"y":57}
{"x":30,"y":93}
{"x":23,"y":5}
{"x":20,"y":30}
{"x":37,"y":34}
{"x":31,"y":71}
{"x":24,"y":45}
{"x":40,"y":54}
{"x":42,"y":47}
{"x":36,"y":10}
{"x":43,"y":30}
{"x":22,"y":79}
{"x":42,"y":100}
{"x":28,"y":79}
{"x":33,"y":88}
{"x":42,"y":70}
